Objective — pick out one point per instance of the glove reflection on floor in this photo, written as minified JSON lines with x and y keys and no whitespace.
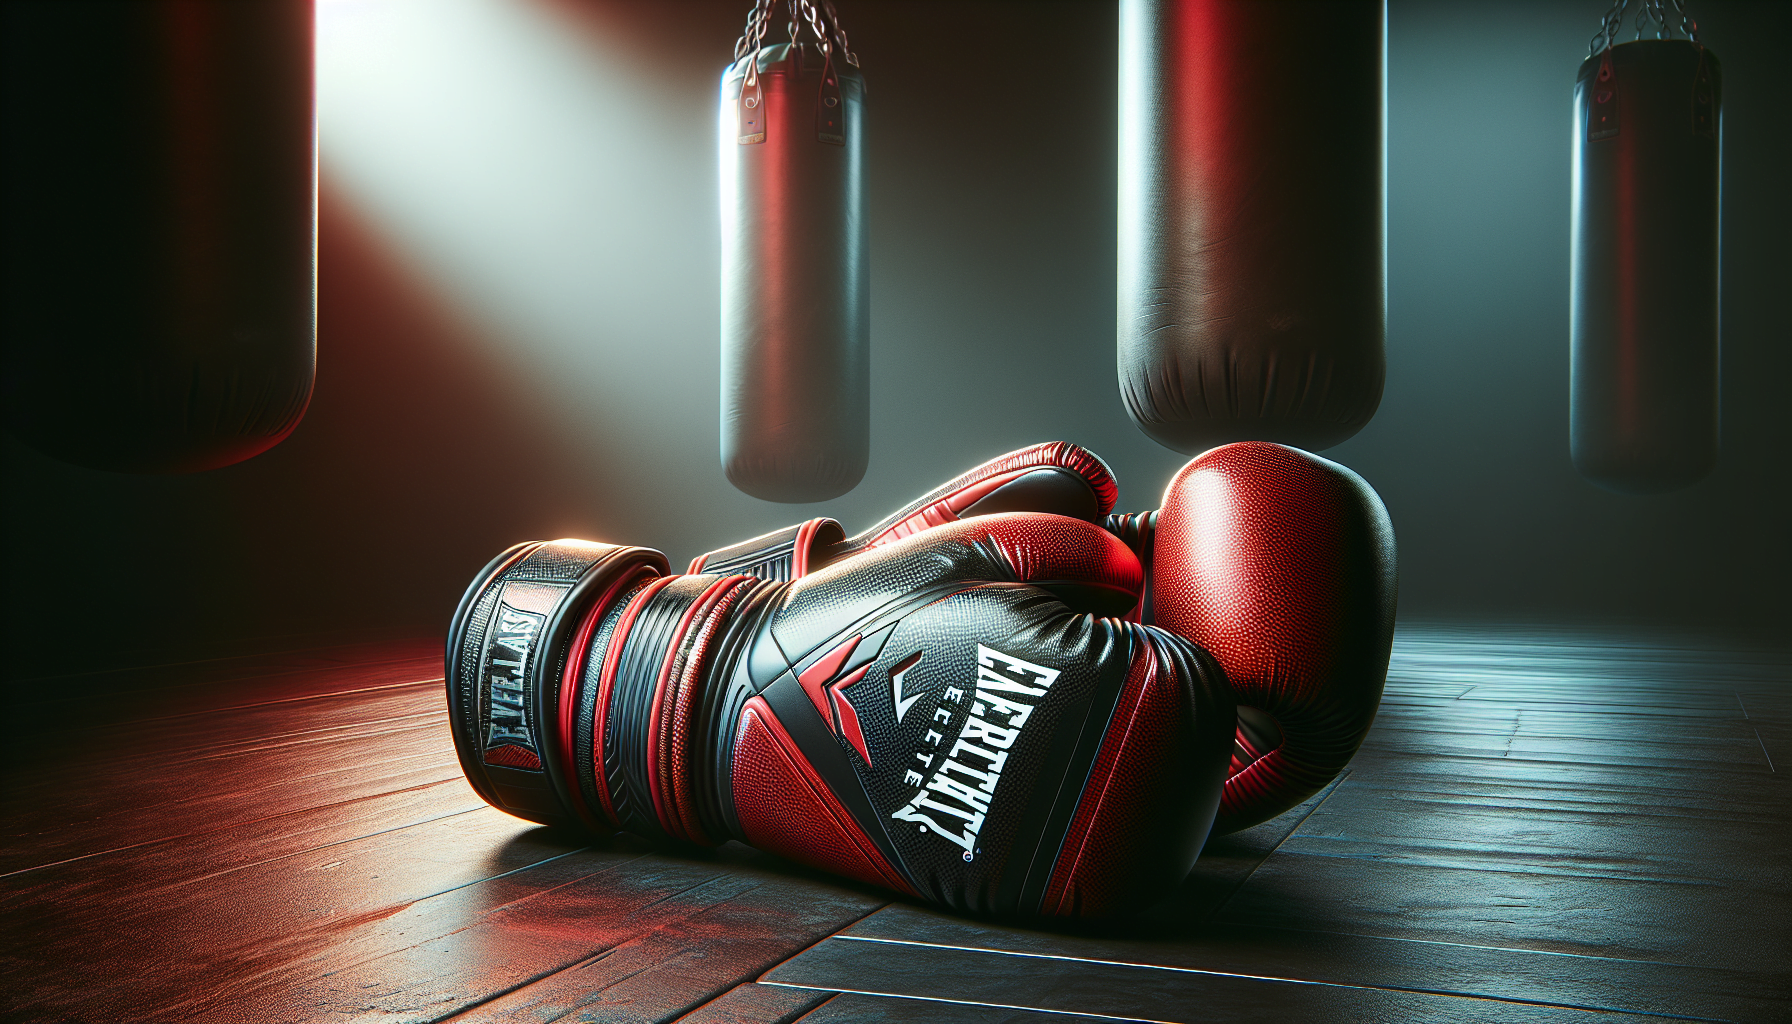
{"x":958,"y":715}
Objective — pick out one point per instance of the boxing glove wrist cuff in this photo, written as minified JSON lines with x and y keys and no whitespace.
{"x":506,"y":666}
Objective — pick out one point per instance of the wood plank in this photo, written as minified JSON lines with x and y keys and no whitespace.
{"x":645,"y":940}
{"x":754,"y":1003}
{"x":73,"y":705}
{"x":265,"y":854}
{"x":1297,"y":955}
{"x":146,"y":952}
{"x":1128,"y":991}
{"x":858,"y":1008}
{"x":244,"y":767}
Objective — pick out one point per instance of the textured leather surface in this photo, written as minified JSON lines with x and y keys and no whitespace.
{"x":1251,"y":300}
{"x":1282,"y":565}
{"x":1644,"y":316}
{"x":1151,"y":750}
{"x":786,"y":809}
{"x":924,"y":716}
{"x":1056,"y":477}
{"x":796,"y":365}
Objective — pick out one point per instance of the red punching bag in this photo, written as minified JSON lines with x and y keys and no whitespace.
{"x":1251,"y":299}
{"x":160,"y":229}
{"x":796,"y":368}
{"x":1644,"y":307}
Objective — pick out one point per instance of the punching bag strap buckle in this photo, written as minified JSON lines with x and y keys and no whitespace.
{"x":750,"y":109}
{"x":750,"y":124}
{"x":1704,"y":100}
{"x":830,"y":107}
{"x":1602,"y":102}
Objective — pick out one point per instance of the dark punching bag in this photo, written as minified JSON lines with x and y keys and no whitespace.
{"x":1251,"y":296}
{"x":160,"y":229}
{"x":796,"y":374}
{"x":1643,"y":314}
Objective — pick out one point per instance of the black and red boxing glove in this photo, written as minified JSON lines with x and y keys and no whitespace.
{"x":948,"y":716}
{"x":1278,"y":562}
{"x":1057,"y":477}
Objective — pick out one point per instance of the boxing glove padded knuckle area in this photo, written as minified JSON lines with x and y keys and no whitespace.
{"x":1281,"y":564}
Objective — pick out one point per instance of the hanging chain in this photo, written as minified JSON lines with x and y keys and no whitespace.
{"x":1654,"y":14}
{"x":819,"y":16}
{"x":752,"y":39}
{"x":839,"y":33}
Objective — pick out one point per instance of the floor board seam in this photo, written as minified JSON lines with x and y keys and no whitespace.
{"x":1446,"y":993}
{"x":973,"y":1002}
{"x":838,"y":932}
{"x":1326,"y":794}
{"x":437,"y":681}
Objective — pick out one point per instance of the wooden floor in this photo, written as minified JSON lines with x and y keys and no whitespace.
{"x":1542,"y":826}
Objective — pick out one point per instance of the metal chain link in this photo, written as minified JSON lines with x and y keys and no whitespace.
{"x":819,"y":16}
{"x":1649,"y":13}
{"x":811,"y":14}
{"x":840,"y":33}
{"x":752,"y":38}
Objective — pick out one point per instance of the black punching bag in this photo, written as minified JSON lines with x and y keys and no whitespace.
{"x":1643,"y":313}
{"x":796,"y":374}
{"x":160,"y":207}
{"x":1251,"y":295}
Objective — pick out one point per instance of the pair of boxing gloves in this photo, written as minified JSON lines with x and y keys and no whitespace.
{"x":1002,"y":698}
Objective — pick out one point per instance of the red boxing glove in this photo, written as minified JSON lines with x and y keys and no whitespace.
{"x":1281,"y":564}
{"x":946,"y":716}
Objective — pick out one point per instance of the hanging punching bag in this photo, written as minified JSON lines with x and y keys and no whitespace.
{"x":1644,"y":307}
{"x":1251,"y":298}
{"x":796,"y":374}
{"x":160,"y":206}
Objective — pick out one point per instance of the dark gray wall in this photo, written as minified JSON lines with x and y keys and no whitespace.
{"x":431,"y":445}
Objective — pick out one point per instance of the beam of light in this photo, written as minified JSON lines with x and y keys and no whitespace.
{"x":552,"y":186}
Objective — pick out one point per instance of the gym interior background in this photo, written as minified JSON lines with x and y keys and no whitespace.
{"x":1568,"y":808}
{"x":518,"y":307}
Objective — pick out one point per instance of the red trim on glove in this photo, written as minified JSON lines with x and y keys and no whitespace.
{"x":785,"y":808}
{"x":568,"y":704}
{"x":668,"y":718}
{"x":606,"y":683}
{"x":965,"y":490}
{"x":1127,"y":785}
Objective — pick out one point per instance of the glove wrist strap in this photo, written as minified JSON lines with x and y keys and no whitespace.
{"x":508,"y":661}
{"x":783,"y":555}
{"x":646,"y":672}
